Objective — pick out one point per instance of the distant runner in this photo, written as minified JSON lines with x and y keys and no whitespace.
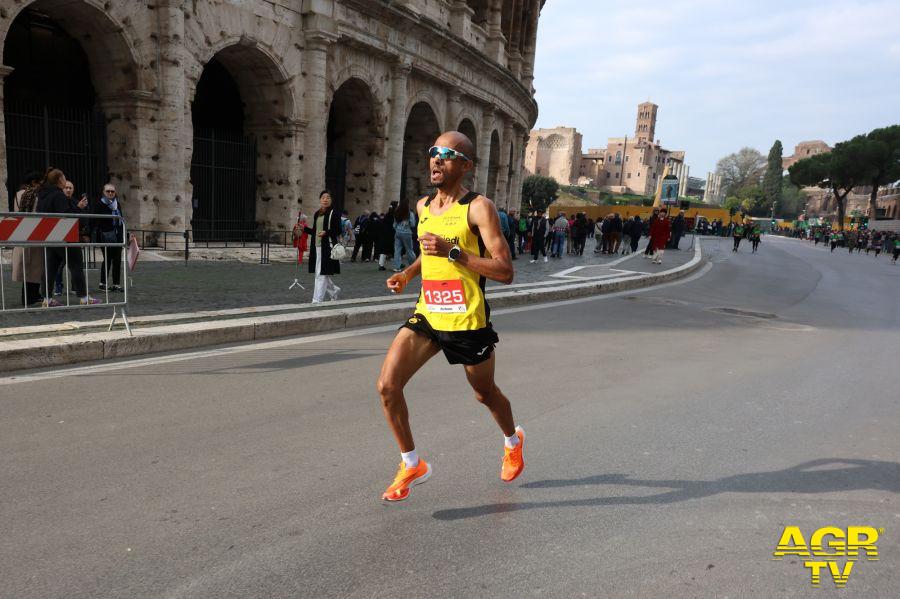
{"x":462,"y":246}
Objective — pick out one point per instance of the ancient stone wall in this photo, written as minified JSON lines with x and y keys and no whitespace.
{"x":327,"y":88}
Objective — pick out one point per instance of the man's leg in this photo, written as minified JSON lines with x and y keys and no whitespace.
{"x":408,"y":353}
{"x":481,"y":378}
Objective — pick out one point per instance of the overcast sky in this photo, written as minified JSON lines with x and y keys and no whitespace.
{"x":725,"y":74}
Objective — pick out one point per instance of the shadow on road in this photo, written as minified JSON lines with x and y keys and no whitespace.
{"x":825,"y":475}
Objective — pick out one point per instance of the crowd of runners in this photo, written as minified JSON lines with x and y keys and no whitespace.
{"x":871,"y":241}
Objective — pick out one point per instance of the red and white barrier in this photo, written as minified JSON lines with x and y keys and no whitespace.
{"x":39,"y":228}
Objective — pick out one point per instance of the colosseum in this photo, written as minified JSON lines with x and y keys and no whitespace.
{"x":226,"y":116}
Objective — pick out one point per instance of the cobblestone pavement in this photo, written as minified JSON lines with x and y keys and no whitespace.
{"x":169,"y":287}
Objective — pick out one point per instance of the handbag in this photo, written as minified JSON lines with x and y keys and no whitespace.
{"x":338,"y":251}
{"x":111,"y":236}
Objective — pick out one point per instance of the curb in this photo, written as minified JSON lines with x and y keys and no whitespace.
{"x":47,"y":352}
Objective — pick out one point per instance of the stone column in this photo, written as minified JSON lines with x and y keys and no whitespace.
{"x":514,"y":61}
{"x":454,"y":109}
{"x":529,"y":44}
{"x":496,"y":45}
{"x":132,"y":160}
{"x":395,"y":132}
{"x":460,"y":18}
{"x":5,"y":203}
{"x":515,"y":191}
{"x":502,"y":197}
{"x":316,"y":114}
{"x":484,"y":151}
{"x":166,"y":197}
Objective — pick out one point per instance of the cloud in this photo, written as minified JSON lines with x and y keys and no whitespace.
{"x":725,"y":74}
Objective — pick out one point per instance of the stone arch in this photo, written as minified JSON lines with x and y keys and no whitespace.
{"x":427,"y":96}
{"x":467,"y":128}
{"x":493,"y":165}
{"x":246,"y":146}
{"x":116,"y":65}
{"x":355,"y":145}
{"x":422,"y":128}
{"x":510,"y":169}
{"x":96,"y":63}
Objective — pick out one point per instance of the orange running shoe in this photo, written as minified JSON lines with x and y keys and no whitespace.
{"x":407,"y":477}
{"x":513,"y":459}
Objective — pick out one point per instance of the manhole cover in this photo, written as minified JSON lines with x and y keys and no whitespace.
{"x":750,"y":313}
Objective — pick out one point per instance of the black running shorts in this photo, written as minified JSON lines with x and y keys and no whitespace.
{"x":459,"y":347}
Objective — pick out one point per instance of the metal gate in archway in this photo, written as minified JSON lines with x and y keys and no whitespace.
{"x":68,"y":138}
{"x":223,"y":173}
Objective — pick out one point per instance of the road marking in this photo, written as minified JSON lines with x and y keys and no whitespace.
{"x":264,"y":345}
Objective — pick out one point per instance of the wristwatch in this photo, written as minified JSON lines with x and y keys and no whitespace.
{"x":454,"y":254}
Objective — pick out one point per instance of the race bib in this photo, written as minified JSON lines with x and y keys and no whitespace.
{"x":444,"y":296}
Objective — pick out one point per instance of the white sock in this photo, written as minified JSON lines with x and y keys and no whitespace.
{"x":410,"y":458}
{"x":511,"y":441}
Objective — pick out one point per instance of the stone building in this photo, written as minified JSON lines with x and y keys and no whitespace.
{"x":805,"y":149}
{"x":635,"y":165}
{"x":554,"y":153}
{"x":228,"y":115}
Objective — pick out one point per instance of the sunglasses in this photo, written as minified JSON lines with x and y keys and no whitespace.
{"x":445,"y":153}
{"x":109,"y":191}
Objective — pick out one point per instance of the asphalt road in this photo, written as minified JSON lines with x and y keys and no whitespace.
{"x":671,"y":435}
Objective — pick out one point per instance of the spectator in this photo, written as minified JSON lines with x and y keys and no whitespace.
{"x":637,"y":228}
{"x":326,"y":232}
{"x":28,"y":263}
{"x":109,"y":230}
{"x":616,"y":228}
{"x":52,"y":199}
{"x":300,"y":237}
{"x":598,"y":236}
{"x":384,"y":242}
{"x":560,"y":230}
{"x":511,"y":238}
{"x":579,"y":234}
{"x":538,"y":232}
{"x":346,"y":229}
{"x":522,"y":232}
{"x":678,"y":227}
{"x":404,"y":223}
{"x":660,"y":232}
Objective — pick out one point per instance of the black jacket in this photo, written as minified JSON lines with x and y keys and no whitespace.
{"x":52,"y":199}
{"x":538,"y":227}
{"x":332,"y":220}
{"x":102,"y":225}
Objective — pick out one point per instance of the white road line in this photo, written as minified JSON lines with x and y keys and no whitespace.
{"x":264,"y":345}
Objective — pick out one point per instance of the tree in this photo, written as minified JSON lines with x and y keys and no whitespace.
{"x":792,"y":199}
{"x":772,"y":180}
{"x":739,"y":169}
{"x":880,"y":153}
{"x":753,"y":200}
{"x":732,"y":204}
{"x":539,"y":192}
{"x":840,"y":170}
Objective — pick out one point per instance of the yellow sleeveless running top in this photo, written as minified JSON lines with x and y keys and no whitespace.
{"x":452,"y":296}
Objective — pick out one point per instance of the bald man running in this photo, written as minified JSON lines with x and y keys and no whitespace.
{"x":456,"y":226}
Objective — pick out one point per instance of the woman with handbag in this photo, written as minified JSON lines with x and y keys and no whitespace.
{"x":324,"y":254}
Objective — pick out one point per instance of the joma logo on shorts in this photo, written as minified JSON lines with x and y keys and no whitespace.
{"x":826,"y":545}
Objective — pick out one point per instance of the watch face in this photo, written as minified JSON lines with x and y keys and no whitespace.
{"x":454,"y":253}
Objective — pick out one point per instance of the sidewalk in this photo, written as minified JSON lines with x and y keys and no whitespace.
{"x":174,"y":306}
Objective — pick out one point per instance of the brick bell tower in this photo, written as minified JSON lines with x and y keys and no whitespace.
{"x":645,"y":128}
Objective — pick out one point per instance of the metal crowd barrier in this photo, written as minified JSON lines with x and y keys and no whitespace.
{"x":44,"y":232}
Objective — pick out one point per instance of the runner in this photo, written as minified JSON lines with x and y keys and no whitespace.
{"x":755,"y":236}
{"x":456,"y":226}
{"x":896,"y":249}
{"x":738,"y":235}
